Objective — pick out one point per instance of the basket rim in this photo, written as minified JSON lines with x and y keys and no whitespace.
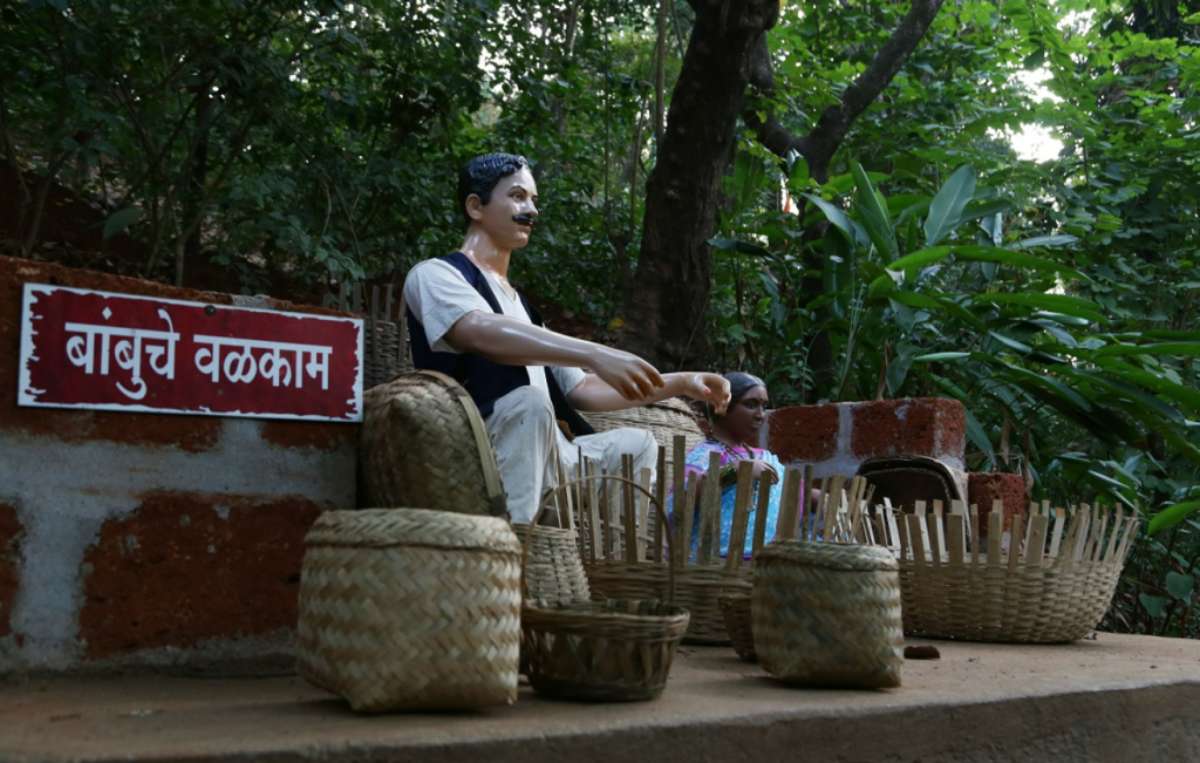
{"x":603,"y":610}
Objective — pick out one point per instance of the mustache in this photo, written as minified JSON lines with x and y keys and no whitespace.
{"x":525,"y":219}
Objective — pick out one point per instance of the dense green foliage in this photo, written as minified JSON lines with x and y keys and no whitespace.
{"x":317,"y":143}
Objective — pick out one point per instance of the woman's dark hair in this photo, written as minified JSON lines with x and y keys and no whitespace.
{"x":739,"y":384}
{"x":480,"y":175}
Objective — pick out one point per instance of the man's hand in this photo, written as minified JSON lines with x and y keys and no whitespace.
{"x":711,"y":388}
{"x":629,"y":375}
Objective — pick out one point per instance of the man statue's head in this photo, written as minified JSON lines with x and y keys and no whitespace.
{"x":497,"y":192}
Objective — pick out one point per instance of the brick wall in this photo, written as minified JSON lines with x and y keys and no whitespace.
{"x":129,"y":538}
{"x":838,"y":438}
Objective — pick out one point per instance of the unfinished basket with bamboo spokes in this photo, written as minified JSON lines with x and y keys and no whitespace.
{"x":612,"y":650}
{"x":622,"y":544}
{"x":1047,"y":579}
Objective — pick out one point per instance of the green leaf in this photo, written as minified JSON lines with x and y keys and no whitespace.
{"x":854,"y":234}
{"x":1172,"y":515}
{"x":945,"y":211}
{"x":1058,"y":239}
{"x":978,"y":253}
{"x":978,"y":436}
{"x":1011,"y":343}
{"x":935,"y":304}
{"x":874,"y":215}
{"x":1057,"y":303}
{"x":934,"y":357}
{"x":1189,"y":349}
{"x":1154,"y":604}
{"x":735,"y":245}
{"x":1180,"y":586}
{"x":120,"y":220}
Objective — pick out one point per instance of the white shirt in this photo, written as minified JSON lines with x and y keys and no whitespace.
{"x":438,"y":296}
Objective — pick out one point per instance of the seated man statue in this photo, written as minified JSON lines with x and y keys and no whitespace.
{"x":466,"y":320}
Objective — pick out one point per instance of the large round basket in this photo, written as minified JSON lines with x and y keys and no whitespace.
{"x":411,"y":609}
{"x":663,"y":419}
{"x":1052,"y":588}
{"x":827,"y":614}
{"x":617,"y":650}
{"x":423,"y":443}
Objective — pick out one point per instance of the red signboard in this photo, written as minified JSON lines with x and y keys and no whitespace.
{"x":94,"y":349}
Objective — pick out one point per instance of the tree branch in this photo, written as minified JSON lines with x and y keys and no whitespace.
{"x":823,"y":140}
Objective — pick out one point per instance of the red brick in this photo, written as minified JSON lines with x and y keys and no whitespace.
{"x":803,"y":432}
{"x":10,"y":556}
{"x":923,"y":426}
{"x":184,"y":567}
{"x":983,"y":488}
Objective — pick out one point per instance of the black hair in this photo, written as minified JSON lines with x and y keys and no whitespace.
{"x":740,"y":383}
{"x":481,"y":174}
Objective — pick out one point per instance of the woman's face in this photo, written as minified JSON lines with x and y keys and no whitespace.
{"x":746,"y":416}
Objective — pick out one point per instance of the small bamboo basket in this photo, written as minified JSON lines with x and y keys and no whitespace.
{"x":1048,"y":579}
{"x":623,"y":562}
{"x":412,"y":609}
{"x":828,"y":501}
{"x":739,"y":624}
{"x":828,"y":614}
{"x":617,"y":650}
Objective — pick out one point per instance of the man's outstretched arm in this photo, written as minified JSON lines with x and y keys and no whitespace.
{"x":629,"y":379}
{"x":594,"y":394}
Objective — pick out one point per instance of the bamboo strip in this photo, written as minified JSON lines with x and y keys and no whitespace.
{"x":1014,"y":542}
{"x":956,"y":531}
{"x":789,"y":510}
{"x":660,"y":500}
{"x":1036,"y":546}
{"x":710,"y":507}
{"x":995,"y":530}
{"x":741,"y":515}
{"x":765,"y":484}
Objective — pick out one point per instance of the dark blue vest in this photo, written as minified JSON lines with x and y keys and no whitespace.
{"x":486,"y":381}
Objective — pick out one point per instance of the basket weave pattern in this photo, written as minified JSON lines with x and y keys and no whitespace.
{"x":827,"y":614}
{"x":424,"y":444}
{"x":663,"y":420}
{"x":1026,"y":594}
{"x":411,"y":609}
{"x":697,"y":589}
{"x":613,"y":650}
{"x":738,"y":622}
{"x":553,"y":569}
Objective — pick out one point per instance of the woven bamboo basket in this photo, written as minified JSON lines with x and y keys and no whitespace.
{"x":616,"y":650}
{"x":738,"y":618}
{"x":407,"y":610}
{"x":553,"y":568}
{"x":828,"y":614}
{"x":423,"y":443}
{"x":828,"y":501}
{"x":617,"y":568}
{"x":664,"y":420}
{"x":1048,"y":579}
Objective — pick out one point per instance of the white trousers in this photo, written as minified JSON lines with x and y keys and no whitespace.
{"x":525,"y":436}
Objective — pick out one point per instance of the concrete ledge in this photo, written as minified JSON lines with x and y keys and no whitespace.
{"x":1117,"y":698}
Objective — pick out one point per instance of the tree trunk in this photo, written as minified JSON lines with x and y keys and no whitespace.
{"x":665,"y":308}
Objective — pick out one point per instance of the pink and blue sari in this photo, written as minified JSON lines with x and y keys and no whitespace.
{"x":697,"y":464}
